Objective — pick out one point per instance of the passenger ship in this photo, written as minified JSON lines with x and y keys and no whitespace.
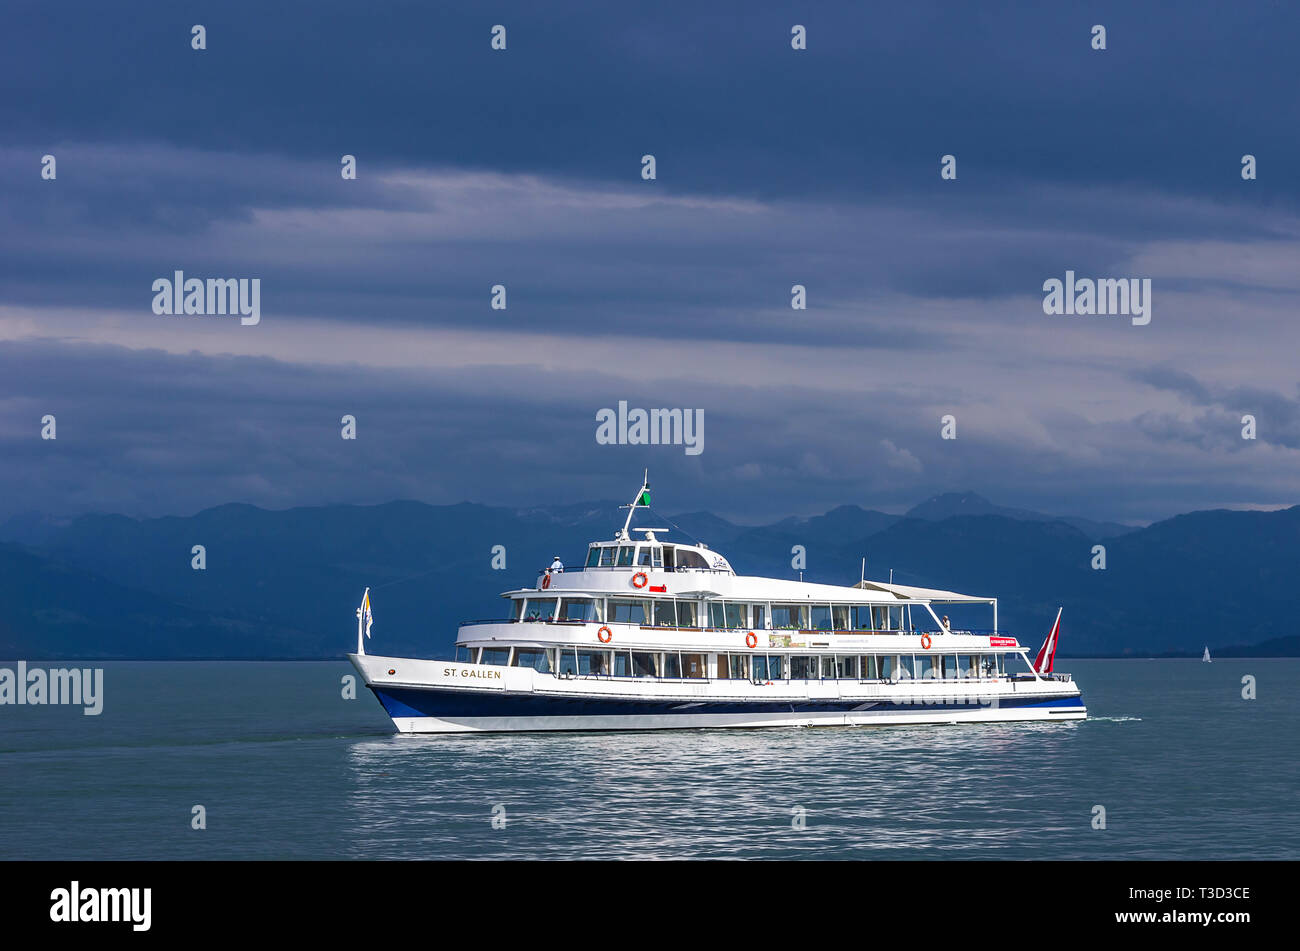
{"x":654,"y":634}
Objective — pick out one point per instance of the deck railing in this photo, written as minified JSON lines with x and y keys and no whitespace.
{"x":676,"y":569}
{"x":975,"y":632}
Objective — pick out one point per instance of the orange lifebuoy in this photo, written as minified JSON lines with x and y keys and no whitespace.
{"x":751,"y":640}
{"x":925,"y":641}
{"x":546,"y":581}
{"x":642,"y":583}
{"x":605,"y":635}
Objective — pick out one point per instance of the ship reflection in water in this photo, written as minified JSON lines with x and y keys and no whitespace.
{"x":843,"y":792}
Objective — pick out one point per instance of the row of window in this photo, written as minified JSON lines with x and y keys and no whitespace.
{"x":644,"y":556}
{"x":731,"y":615}
{"x":675,"y":665}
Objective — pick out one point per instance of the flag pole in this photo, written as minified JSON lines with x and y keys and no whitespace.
{"x":361,"y":646}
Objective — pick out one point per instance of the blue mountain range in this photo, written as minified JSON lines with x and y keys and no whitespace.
{"x":285,"y":584}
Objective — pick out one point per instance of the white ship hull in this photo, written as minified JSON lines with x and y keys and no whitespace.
{"x":716,"y":721}
{"x":432,"y":697}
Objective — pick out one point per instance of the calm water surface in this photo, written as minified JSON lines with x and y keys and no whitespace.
{"x":287,"y":768}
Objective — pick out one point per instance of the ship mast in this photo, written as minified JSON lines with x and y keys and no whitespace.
{"x":642,"y":493}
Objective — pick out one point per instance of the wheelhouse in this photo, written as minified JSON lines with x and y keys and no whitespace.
{"x":651,"y":554}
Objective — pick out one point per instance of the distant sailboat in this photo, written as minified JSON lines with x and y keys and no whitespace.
{"x":1205,"y":658}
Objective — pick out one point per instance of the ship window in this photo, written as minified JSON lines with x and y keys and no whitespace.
{"x":803,"y":668}
{"x":593,"y":557}
{"x":580,"y":609}
{"x":657,"y":559}
{"x":650,"y":556}
{"x":497,"y":656}
{"x":758,"y":611}
{"x":534,"y":657}
{"x":664,"y":614}
{"x":840,"y":615}
{"x":607,"y":556}
{"x":927,"y":667}
{"x":574,"y":609}
{"x":1002,"y":664}
{"x":846,"y":668}
{"x":716,"y":615}
{"x":465,"y":655}
{"x":686,"y":614}
{"x":905,"y":669}
{"x":645,"y":664}
{"x":775,"y":667}
{"x":759,"y":664}
{"x":593,"y":663}
{"x":868,"y":668}
{"x":792,"y":617}
{"x":690,"y":559}
{"x":966,"y":666}
{"x":625,"y":556}
{"x":517,"y":608}
{"x":540,"y":609}
{"x":733,"y":666}
{"x":568,"y":662}
{"x":693,"y":666}
{"x":828,"y":668}
{"x":737,"y":615}
{"x":821,"y":617}
{"x":673,"y":665}
{"x":951,"y":667}
{"x":628,"y":612}
{"x":622,"y":664}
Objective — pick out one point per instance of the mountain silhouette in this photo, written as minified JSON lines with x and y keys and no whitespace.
{"x":286,"y":583}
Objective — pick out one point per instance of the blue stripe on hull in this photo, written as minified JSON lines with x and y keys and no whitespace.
{"x":411,"y":702}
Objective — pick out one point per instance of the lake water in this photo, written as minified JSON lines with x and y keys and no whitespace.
{"x":286,"y":768}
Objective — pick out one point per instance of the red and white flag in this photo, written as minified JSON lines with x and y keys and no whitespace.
{"x":1047,"y":653}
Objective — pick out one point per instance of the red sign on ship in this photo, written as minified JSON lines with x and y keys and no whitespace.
{"x":1002,"y":642}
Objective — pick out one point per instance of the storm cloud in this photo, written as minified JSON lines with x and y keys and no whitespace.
{"x":776,"y":168}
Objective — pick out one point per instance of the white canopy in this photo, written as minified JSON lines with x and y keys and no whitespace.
{"x":911,"y":593}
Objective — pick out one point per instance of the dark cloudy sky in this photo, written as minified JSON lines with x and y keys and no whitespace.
{"x":775,"y":167}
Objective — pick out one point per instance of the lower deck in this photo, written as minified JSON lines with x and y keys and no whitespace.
{"x":882,"y":665}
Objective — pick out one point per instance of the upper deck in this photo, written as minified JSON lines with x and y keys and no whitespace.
{"x":688,"y":588}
